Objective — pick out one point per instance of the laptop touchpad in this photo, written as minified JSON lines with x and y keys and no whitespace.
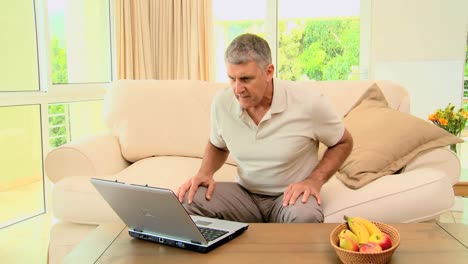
{"x":202,"y":223}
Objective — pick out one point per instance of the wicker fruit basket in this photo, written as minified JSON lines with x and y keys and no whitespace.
{"x":347,"y":256}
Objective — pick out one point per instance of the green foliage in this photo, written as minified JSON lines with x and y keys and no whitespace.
{"x":318,"y":49}
{"x":310,"y":49}
{"x":58,"y":59}
{"x":466,"y":60}
{"x":58,"y":124}
{"x":236,"y":28}
{"x":57,"y":112}
{"x":465,"y":88}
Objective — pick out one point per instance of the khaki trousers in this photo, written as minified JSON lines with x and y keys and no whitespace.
{"x":230,"y":201}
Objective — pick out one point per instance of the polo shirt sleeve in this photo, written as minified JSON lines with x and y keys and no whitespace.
{"x":329,"y":127}
{"x":216,"y":137}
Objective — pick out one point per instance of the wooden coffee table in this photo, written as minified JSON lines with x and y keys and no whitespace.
{"x":272,"y":243}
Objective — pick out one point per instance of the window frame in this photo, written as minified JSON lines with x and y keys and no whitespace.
{"x":49,"y":93}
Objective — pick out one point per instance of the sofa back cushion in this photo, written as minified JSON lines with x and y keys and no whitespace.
{"x":345,"y":95}
{"x":171,"y":117}
{"x":160,"y":117}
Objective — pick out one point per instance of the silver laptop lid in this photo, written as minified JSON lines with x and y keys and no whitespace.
{"x":150,"y":210}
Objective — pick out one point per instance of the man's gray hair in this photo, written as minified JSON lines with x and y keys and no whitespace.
{"x":246,"y":48}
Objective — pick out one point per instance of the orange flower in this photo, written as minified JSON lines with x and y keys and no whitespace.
{"x":443,"y":121}
{"x":449,"y":119}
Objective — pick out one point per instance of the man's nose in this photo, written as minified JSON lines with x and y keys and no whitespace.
{"x":237,"y":87}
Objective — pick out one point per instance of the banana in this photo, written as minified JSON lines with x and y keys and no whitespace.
{"x":347,"y":232}
{"x":371,"y":227}
{"x":359,"y":230}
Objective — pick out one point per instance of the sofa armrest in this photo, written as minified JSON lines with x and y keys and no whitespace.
{"x":442,"y":159}
{"x":97,"y":155}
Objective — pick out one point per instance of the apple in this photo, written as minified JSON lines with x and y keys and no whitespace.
{"x":348,"y":244}
{"x":370,"y":247}
{"x":382,"y":239}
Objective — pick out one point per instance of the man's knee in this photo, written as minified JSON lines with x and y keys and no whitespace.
{"x":199,"y":205}
{"x":309,"y":212}
{"x":306,"y":215}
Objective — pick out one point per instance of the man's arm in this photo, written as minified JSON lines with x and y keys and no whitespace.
{"x":213,"y":159}
{"x":332,"y":159}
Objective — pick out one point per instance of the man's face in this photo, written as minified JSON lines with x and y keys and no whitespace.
{"x":250,"y":83}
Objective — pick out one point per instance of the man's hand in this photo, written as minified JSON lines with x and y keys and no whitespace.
{"x":192,"y":184}
{"x":306,"y":187}
{"x":332,"y":159}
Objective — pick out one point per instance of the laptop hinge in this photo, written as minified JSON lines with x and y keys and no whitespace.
{"x":137,"y":230}
{"x":195,"y":242}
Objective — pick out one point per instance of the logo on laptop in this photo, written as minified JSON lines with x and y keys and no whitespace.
{"x":147,"y":213}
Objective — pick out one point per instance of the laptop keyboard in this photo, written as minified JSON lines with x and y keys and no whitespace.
{"x":211,"y":234}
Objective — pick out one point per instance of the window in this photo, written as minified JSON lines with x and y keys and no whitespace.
{"x":80,"y":53}
{"x":73,"y":121}
{"x":46,"y":101}
{"x":18,"y":48}
{"x":232,"y":18}
{"x":79,"y":41}
{"x":310,"y":39}
{"x":21,"y":180}
{"x":318,"y":40}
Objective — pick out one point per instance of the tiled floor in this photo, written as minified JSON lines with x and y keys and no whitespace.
{"x":26,"y":242}
{"x":458,"y":214}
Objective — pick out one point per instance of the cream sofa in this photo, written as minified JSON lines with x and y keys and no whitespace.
{"x":157,"y":133}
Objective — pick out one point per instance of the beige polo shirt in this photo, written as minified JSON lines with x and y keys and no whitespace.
{"x":283,"y":148}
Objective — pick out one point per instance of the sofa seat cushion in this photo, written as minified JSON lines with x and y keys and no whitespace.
{"x":76,"y":200}
{"x":426,"y":193}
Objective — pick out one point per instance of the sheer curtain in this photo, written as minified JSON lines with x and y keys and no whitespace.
{"x":164,"y":39}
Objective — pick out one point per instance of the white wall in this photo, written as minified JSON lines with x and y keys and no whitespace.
{"x":421,"y":45}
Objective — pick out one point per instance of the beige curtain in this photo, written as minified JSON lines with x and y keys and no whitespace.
{"x":164,"y":39}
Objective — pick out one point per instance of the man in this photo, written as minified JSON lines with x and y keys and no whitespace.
{"x":272,"y":129}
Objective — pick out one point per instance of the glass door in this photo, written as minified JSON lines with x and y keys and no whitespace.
{"x":21,"y":177}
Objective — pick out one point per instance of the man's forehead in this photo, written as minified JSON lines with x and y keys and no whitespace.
{"x":241,"y":70}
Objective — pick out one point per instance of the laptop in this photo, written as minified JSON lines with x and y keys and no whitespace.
{"x":155,"y":214}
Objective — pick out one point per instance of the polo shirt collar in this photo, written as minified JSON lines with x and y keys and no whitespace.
{"x":278,"y":104}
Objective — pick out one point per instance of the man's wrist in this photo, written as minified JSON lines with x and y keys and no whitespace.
{"x":316,"y":180}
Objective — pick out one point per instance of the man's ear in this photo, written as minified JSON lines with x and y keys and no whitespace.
{"x":270,"y":71}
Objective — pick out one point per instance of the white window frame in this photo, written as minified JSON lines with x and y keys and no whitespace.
{"x":50,"y":93}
